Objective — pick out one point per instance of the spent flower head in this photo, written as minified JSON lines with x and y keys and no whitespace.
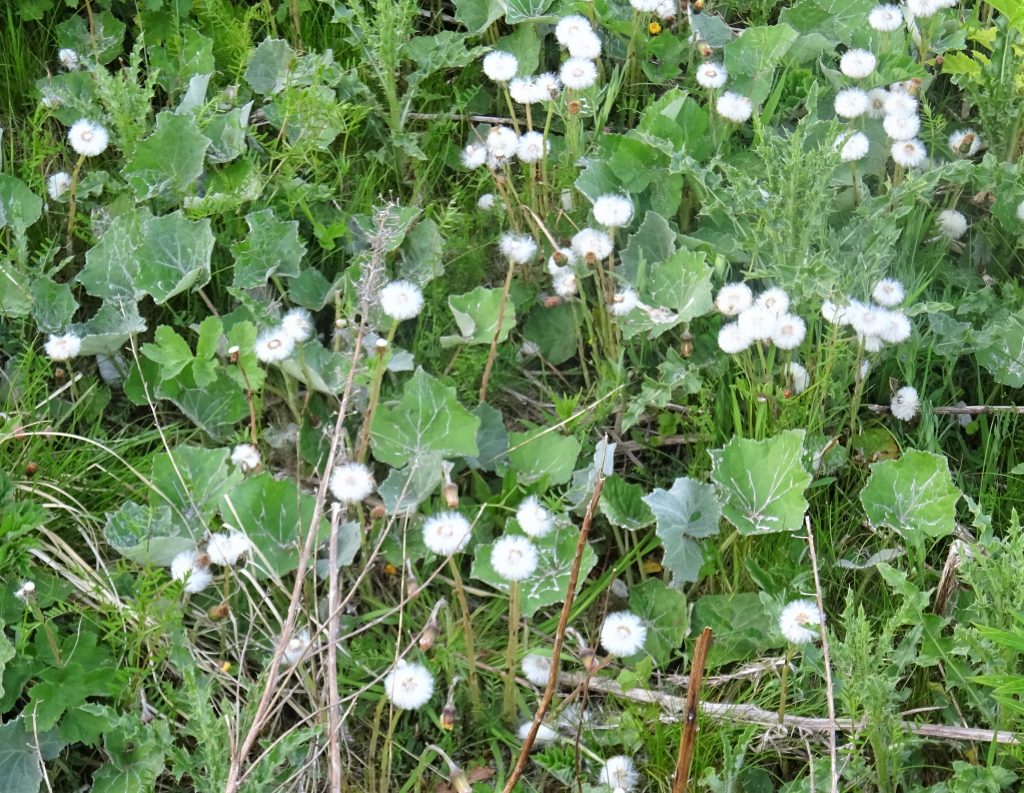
{"x":734,"y":298}
{"x":851,"y":103}
{"x":711,"y":75}
{"x":964,"y":143}
{"x":518,"y":248}
{"x":58,"y":184}
{"x":734,"y":107}
{"x":571,"y":27}
{"x":298,"y":323}
{"x":401,"y":300}
{"x":619,"y":773}
{"x":797,"y":621}
{"x":886,"y":18}
{"x":592,"y":245}
{"x":88,"y":138}
{"x":623,"y":634}
{"x":732,"y":340}
{"x":613,"y":211}
{"x":514,"y":558}
{"x":578,"y":74}
{"x":446,"y":533}
{"x":952,"y":224}
{"x":852,"y":146}
{"x":409,"y":686}
{"x":64,"y":347}
{"x":909,"y":153}
{"x":533,"y":518}
{"x":857,"y":63}
{"x":905,"y":403}
{"x":246,"y":456}
{"x":500,"y":66}
{"x":888,"y":292}
{"x":226,"y":548}
{"x":351,"y":482}
{"x":536,"y":668}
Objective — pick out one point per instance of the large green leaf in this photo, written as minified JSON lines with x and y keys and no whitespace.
{"x":6,"y":654}
{"x":542,"y":453}
{"x":275,"y":516}
{"x":623,"y":504}
{"x":651,"y":244}
{"x":685,"y":513}
{"x":112,"y":265}
{"x":427,"y":419}
{"x":135,"y":753}
{"x":215,"y":407}
{"x":19,"y":206}
{"x":664,"y":612}
{"x":680,"y":286}
{"x":272,"y":247}
{"x":408,"y":487}
{"x":553,"y":330}
{"x":742,"y":627}
{"x":53,"y":304}
{"x":102,"y":38}
{"x":169,"y":160}
{"x":175,"y":255}
{"x":477,"y":15}
{"x":20,"y":749}
{"x":913,"y":495}
{"x":191,"y":480}
{"x":267,"y":71}
{"x":1002,"y":350}
{"x":109,"y":329}
{"x":762,"y":483}
{"x":476,"y":314}
{"x":752,"y":58}
{"x":148,"y":535}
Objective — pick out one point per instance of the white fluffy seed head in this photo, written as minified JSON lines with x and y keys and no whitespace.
{"x":789,"y":332}
{"x":623,"y":634}
{"x":532,"y":147}
{"x":226,"y":548}
{"x":902,"y":127}
{"x":964,"y":143}
{"x":732,"y":340}
{"x":401,"y":300}
{"x":613,"y":211}
{"x":564,"y":283}
{"x":798,"y":375}
{"x":734,"y":107}
{"x":623,"y":302}
{"x":570,"y":27}
{"x":773,"y":299}
{"x":900,"y":102}
{"x":876,"y":102}
{"x":518,"y":248}
{"x":909,"y":153}
{"x":851,"y":103}
{"x":502,"y":143}
{"x":952,"y":224}
{"x":734,"y":298}
{"x":536,"y":668}
{"x":886,"y":18}
{"x":68,"y":58}
{"x":545,"y":734}
{"x":1020,"y":211}
{"x":758,"y":324}
{"x":409,"y":686}
{"x":578,"y":74}
{"x":298,"y":323}
{"x":592,"y":245}
{"x":586,"y":45}
{"x":296,"y":648}
{"x":186,"y":566}
{"x":533,"y":518}
{"x":246,"y":456}
{"x":474,"y":155}
{"x":857,"y":63}
{"x":514,"y":558}
{"x":88,"y":138}
{"x":896,"y":327}
{"x":619,"y":773}
{"x":351,"y":482}
{"x":905,"y":403}
{"x":58,"y":184}
{"x":799,"y":621}
{"x":63,"y":348}
{"x":500,"y":66}
{"x":446,"y":533}
{"x":888,"y":292}
{"x":273,"y":345}
{"x":486,"y":202}
{"x":711,"y":75}
{"x":852,"y":147}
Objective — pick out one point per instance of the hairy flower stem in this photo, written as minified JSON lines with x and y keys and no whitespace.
{"x":497,"y":331}
{"x":508,"y":700}
{"x":853,"y":174}
{"x":790,"y":652}
{"x":73,"y":200}
{"x":380,"y":366}
{"x":467,"y":629}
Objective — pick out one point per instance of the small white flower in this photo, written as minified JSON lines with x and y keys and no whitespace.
{"x":624,"y":302}
{"x":544,"y":734}
{"x":798,"y":376}
{"x":732,"y":340}
{"x":851,"y":103}
{"x":902,"y":127}
{"x":514,"y":558}
{"x":532,"y":147}
{"x":401,"y":300}
{"x":613,"y":211}
{"x":296,"y":648}
{"x":774,"y":300}
{"x":26,"y":590}
{"x":446,"y":533}
{"x":578,"y":74}
{"x":486,"y":202}
{"x":409,"y":686}
{"x":623,"y":634}
{"x":351,"y":482}
{"x":734,"y":107}
{"x":297,"y":323}
{"x":185,"y":567}
{"x":518,"y":248}
{"x":88,"y":138}
{"x":585,"y":45}
{"x":886,"y":18}
{"x":619,"y":773}
{"x":877,"y":98}
{"x":900,"y":102}
{"x":896,"y":328}
{"x":592,"y":245}
{"x":63,"y":348}
{"x":734,"y":298}
{"x":909,"y":153}
{"x":58,"y":184}
{"x":857,"y":63}
{"x":905,"y":403}
{"x":797,"y":619}
{"x":536,"y":668}
{"x":226,"y":548}
{"x":964,"y":143}
{"x":789,"y":332}
{"x":758,"y":324}
{"x":952,"y":224}
{"x":888,"y":292}
{"x":533,"y":519}
{"x":246,"y":456}
{"x":570,"y":27}
{"x":474,"y":155}
{"x":274,"y":345}
{"x":500,"y":66}
{"x":68,"y":58}
{"x":712,"y":75}
{"x":852,"y":147}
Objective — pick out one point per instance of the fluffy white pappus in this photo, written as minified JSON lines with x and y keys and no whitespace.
{"x":592,"y":245}
{"x":964,"y":143}
{"x":924,"y":8}
{"x":533,"y":518}
{"x":564,"y":283}
{"x":888,"y":292}
{"x":613,"y":211}
{"x":896,"y":327}
{"x":25,"y":591}
{"x":578,"y":74}
{"x":798,"y":376}
{"x":474,"y":156}
{"x":586,"y":46}
{"x":758,"y":324}
{"x":734,"y":107}
{"x":49,"y":99}
{"x":518,"y":248}
{"x":835,"y":314}
{"x":536,"y":668}
{"x":852,"y":147}
{"x":246,"y":456}
{"x":500,"y":66}
{"x":909,"y":153}
{"x":885,"y":18}
{"x":905,"y":403}
{"x":62,"y":348}
{"x":790,"y":332}
{"x":486,"y":202}
{"x":532,"y":147}
{"x":645,"y":6}
{"x":521,"y":90}
{"x":851,"y":103}
{"x":570,"y":27}
{"x":900,"y":102}
{"x":58,"y":184}
{"x":409,"y":686}
{"x":273,"y":345}
{"x":867,"y":320}
{"x":732,"y":340}
{"x":502,"y":143}
{"x":446,"y":533}
{"x":799,"y":621}
{"x":876,"y":102}
{"x":68,"y":58}
{"x":952,"y":224}
{"x":666,"y":10}
{"x":623,"y":302}
{"x":711,"y":75}
{"x":619,"y":773}
{"x":227,"y":547}
{"x":734,"y":298}
{"x":563,"y":257}
{"x":870,"y":343}
{"x":902,"y":127}
{"x":773,"y":299}
{"x":857,"y":63}
{"x":351,"y":482}
{"x":186,"y":567}
{"x":1020,"y":211}
{"x":548,"y":86}
{"x":298,"y":323}
{"x":401,"y":300}
{"x":545,"y":734}
{"x":623,"y":634}
{"x":296,"y":648}
{"x":88,"y":138}
{"x":514,"y":558}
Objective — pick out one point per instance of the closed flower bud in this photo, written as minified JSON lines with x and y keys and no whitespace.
{"x":219,"y":612}
{"x":451,"y":495}
{"x":448,"y":716}
{"x":429,"y":634}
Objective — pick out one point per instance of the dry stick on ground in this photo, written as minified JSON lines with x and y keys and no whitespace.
{"x":688,"y":737}
{"x":830,"y":696}
{"x":563,"y":623}
{"x":959,"y":410}
{"x":333,"y":703}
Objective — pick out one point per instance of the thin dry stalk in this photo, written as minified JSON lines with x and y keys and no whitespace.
{"x":688,"y":736}
{"x":959,"y":410}
{"x":333,"y":697}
